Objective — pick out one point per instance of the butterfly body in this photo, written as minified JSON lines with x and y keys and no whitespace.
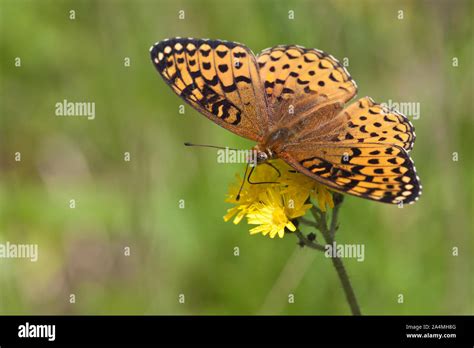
{"x":292,"y":101}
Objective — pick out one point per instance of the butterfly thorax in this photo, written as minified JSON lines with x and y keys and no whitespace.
{"x":272,"y":144}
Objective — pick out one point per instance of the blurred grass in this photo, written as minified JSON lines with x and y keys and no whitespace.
{"x":190,"y":250}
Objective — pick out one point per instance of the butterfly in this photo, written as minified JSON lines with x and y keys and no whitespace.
{"x":291,"y":101}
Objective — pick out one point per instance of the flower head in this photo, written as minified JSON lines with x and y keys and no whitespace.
{"x":273,"y":206}
{"x":270,"y":213}
{"x":249,"y":194}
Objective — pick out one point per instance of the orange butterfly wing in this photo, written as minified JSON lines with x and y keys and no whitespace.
{"x":360,"y":150}
{"x":363,"y":151}
{"x":219,"y":79}
{"x":378,"y":172}
{"x":299,"y":80}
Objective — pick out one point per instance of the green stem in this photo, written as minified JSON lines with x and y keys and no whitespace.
{"x":329,"y":237}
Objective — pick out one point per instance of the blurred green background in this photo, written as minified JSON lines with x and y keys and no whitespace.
{"x":190,"y":251}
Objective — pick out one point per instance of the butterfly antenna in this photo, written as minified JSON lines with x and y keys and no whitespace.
{"x":211,"y":146}
{"x":243,"y":182}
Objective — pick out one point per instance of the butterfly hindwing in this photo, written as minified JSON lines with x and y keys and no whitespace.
{"x":378,"y":172}
{"x":218,"y":78}
{"x":361,"y":150}
{"x":364,"y":121}
{"x":370,"y":122}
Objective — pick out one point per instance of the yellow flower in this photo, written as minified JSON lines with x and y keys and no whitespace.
{"x":300,"y":185}
{"x":249,"y":194}
{"x":270,"y":214}
{"x":323,"y":196}
{"x":274,"y":206}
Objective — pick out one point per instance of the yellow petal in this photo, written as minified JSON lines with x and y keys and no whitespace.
{"x":230,"y":213}
{"x":239,"y":217}
{"x":290,"y":226}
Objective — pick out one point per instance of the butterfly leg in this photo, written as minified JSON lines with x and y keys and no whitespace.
{"x":255,"y":183}
{"x":261,"y":182}
{"x":271,"y":165}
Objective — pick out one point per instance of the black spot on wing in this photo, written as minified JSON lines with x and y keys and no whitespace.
{"x":223,"y":68}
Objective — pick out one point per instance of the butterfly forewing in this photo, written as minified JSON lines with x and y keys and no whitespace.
{"x":218,"y":78}
{"x":298,"y":80}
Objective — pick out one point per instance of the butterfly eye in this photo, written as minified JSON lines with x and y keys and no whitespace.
{"x":261,"y":157}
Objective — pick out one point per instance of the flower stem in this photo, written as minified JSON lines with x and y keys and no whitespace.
{"x":346,"y":285}
{"x":329,"y":237}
